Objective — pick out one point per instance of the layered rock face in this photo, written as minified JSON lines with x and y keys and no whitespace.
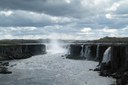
{"x":88,"y":51}
{"x":118,"y":65}
{"x":18,"y":51}
{"x":119,"y":53}
{"x":12,"y":51}
{"x":74,"y":51}
{"x":112,"y":58}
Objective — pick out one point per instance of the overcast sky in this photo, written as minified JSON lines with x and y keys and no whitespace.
{"x":63,"y":19}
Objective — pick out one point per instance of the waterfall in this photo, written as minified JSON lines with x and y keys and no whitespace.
{"x":82,"y":51}
{"x":87,"y":53}
{"x":107,"y":55}
{"x":97,"y":52}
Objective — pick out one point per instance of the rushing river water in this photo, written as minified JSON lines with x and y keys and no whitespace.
{"x":53,"y":69}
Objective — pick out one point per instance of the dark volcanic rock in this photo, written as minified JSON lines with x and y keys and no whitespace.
{"x":118,"y":65}
{"x":123,"y":80}
{"x":100,"y":51}
{"x":118,"y":58}
{"x":4,"y":70}
{"x":75,"y":52}
{"x":4,"y":64}
{"x":89,"y":51}
{"x":114,"y":65}
{"x":93,"y":51}
{"x":21,"y":51}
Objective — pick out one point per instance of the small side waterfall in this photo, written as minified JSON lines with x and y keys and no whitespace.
{"x":107,"y":55}
{"x":82,"y":51}
{"x":88,"y":52}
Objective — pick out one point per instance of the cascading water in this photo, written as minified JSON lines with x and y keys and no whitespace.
{"x":107,"y":55}
{"x":87,"y":53}
{"x":82,"y":51}
{"x":68,"y":50}
{"x":55,"y":46}
{"x":97,"y":52}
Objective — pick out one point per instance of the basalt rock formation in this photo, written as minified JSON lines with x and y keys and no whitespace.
{"x":20,"y":51}
{"x":75,"y":51}
{"x":112,"y":58}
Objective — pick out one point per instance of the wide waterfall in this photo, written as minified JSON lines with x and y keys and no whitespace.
{"x":107,"y":55}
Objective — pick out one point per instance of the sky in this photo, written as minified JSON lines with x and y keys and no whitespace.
{"x":63,"y":19}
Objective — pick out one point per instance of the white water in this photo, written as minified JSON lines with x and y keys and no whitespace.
{"x":82,"y":51}
{"x":87,"y":52}
{"x":55,"y":46}
{"x":107,"y":55}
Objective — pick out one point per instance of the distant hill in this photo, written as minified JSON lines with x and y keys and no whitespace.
{"x":21,"y":41}
{"x":111,"y":40}
{"x":101,"y":40}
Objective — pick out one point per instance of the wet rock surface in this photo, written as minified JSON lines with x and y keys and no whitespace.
{"x":4,"y":68}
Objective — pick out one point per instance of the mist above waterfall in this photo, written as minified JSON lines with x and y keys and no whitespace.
{"x":56,"y":46}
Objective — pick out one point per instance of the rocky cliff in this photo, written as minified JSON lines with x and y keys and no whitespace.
{"x":113,"y":63}
{"x":19,"y":51}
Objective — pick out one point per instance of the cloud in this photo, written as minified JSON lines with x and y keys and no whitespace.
{"x":6,"y":13}
{"x":28,"y":18}
{"x":114,"y":7}
{"x":54,"y":32}
{"x":35,"y":33}
{"x":79,"y":19}
{"x":68,"y":8}
{"x":106,"y":29}
{"x":109,"y":16}
{"x":88,"y":29}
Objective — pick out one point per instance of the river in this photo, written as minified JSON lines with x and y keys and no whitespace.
{"x":53,"y":69}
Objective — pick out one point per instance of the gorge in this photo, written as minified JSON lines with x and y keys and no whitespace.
{"x":110,"y":58}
